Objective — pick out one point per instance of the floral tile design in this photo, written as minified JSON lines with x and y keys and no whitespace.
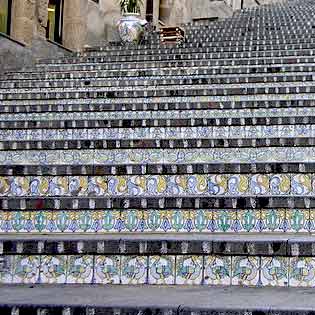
{"x":134,"y":269}
{"x":53,"y":269}
{"x":248,"y":221}
{"x":224,"y":221}
{"x":189,"y":270}
{"x":160,"y":185}
{"x":158,"y":156}
{"x":217,"y":270}
{"x":26,"y":269}
{"x":275,"y":271}
{"x":107,"y":270}
{"x":6,"y":269}
{"x":162,"y":221}
{"x":161,"y":270}
{"x":131,"y":221}
{"x":245,"y":271}
{"x":80,"y":269}
{"x":274,"y":220}
{"x":302,"y":272}
{"x":311,"y":223}
{"x":298,"y":220}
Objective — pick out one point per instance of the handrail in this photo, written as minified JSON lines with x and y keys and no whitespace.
{"x":256,"y":1}
{"x":161,"y":23}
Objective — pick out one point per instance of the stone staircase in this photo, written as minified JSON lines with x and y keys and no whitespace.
{"x":164,"y":168}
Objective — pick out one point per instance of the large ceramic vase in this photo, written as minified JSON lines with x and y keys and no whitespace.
{"x":131,"y":28}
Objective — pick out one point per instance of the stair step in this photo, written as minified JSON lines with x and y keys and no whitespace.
{"x":163,"y":299}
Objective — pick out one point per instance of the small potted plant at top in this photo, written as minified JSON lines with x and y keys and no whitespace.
{"x":131,"y":26}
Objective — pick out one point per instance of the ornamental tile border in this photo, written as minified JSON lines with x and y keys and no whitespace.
{"x":252,"y":271}
{"x":159,"y":133}
{"x":167,"y":99}
{"x":229,"y":185}
{"x":170,"y":114}
{"x":159,"y":221}
{"x":158,"y":156}
{"x":205,"y":87}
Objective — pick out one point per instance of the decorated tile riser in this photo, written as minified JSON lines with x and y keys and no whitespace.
{"x":205,"y":132}
{"x":158,"y":156}
{"x":165,"y":269}
{"x":158,"y":80}
{"x":184,"y":55}
{"x":171,"y":114}
{"x":160,"y":185}
{"x":159,"y":221}
{"x":161,"y":100}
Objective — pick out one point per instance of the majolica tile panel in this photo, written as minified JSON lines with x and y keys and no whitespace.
{"x":134,"y":270}
{"x":162,"y":270}
{"x":228,"y":185}
{"x":54,"y":269}
{"x":107,"y":270}
{"x":26,"y":269}
{"x":252,"y":271}
{"x":158,"y":156}
{"x":159,"y":221}
{"x":205,"y":132}
{"x":189,"y":270}
{"x":274,"y":271}
{"x":171,"y":114}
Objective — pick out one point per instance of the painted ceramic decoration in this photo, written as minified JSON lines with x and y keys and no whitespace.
{"x":131,"y":28}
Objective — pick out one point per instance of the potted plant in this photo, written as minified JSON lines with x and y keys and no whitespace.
{"x":131,"y":26}
{"x":130,"y":6}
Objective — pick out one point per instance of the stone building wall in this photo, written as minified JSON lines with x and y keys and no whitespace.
{"x":209,"y":9}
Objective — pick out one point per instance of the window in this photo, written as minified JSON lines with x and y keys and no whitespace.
{"x":55,"y":20}
{"x":5,"y":16}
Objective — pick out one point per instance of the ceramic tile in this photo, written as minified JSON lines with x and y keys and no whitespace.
{"x":218,"y":184}
{"x":311,"y":222}
{"x":134,"y":269}
{"x":274,"y":220}
{"x":298,"y":220}
{"x":159,"y":185}
{"x":53,"y":269}
{"x":259,"y":184}
{"x":224,"y":221}
{"x":6,"y":269}
{"x":245,"y":271}
{"x":78,"y":185}
{"x":80,"y":269}
{"x":280,"y":184}
{"x":107,"y":270}
{"x":217,"y":270}
{"x":189,"y":270}
{"x":131,"y":220}
{"x":162,"y":270}
{"x":171,"y":114}
{"x":248,"y":221}
{"x":302,"y":272}
{"x":301,"y":184}
{"x":275,"y":271}
{"x":26,"y":269}
{"x":158,"y":156}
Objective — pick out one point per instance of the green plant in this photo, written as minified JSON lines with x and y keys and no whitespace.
{"x":130,"y":6}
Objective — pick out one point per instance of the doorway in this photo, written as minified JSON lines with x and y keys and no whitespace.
{"x":55,"y":21}
{"x":5,"y":16}
{"x":149,"y":12}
